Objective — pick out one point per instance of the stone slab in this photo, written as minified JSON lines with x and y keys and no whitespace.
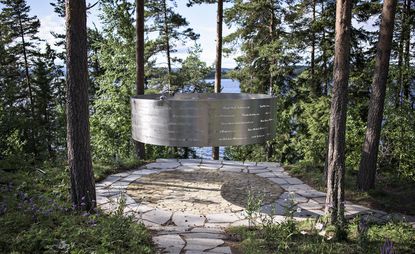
{"x":222,"y":250}
{"x":162,"y":165}
{"x":198,"y":161}
{"x":311,"y":205}
{"x":203,"y":235}
{"x":157,"y":216}
{"x":266,"y":174}
{"x":293,"y":180}
{"x":222,"y":218}
{"x":269,"y":164}
{"x":206,"y":230}
{"x":188,"y":220}
{"x":166,"y":160}
{"x":216,"y":225}
{"x":109,"y":180}
{"x":210,"y":166}
{"x":169,"y":241}
{"x":296,"y":187}
{"x":201,"y":244}
{"x":311,"y":193}
{"x":277,"y":180}
{"x":233,"y":163}
{"x":102,"y":200}
{"x":123,"y":174}
{"x":228,"y":168}
{"x":142,"y":172}
{"x":263,"y":168}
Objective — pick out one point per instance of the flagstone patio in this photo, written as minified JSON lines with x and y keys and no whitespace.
{"x":189,"y":203}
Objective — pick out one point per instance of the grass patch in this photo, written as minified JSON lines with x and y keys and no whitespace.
{"x":391,"y":194}
{"x":302,"y":237}
{"x":36,"y":216}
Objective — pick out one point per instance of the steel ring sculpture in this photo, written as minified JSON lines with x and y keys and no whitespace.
{"x":207,"y":119}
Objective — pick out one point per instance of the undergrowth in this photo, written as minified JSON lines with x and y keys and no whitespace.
{"x":36,"y":216}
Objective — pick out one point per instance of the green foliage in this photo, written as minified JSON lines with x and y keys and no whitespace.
{"x":111,"y":119}
{"x":193,"y":72}
{"x":355,"y":133}
{"x":36,"y":217}
{"x":31,"y":93}
{"x":246,"y":153}
{"x":173,"y":30}
{"x":398,"y":149}
{"x":253,"y":206}
{"x":313,"y":125}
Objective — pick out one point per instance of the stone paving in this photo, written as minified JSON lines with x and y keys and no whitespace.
{"x":189,"y":203}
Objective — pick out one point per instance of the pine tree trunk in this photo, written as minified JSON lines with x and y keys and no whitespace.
{"x":272,"y":38}
{"x":139,"y":83}
{"x":399,"y":86}
{"x":407,"y":33}
{"x":315,"y":86}
{"x":268,"y":146}
{"x":336,"y":147}
{"x":79,"y":151}
{"x":29,"y":89}
{"x":218,"y":72}
{"x":167,"y":43}
{"x":367,"y":169}
{"x":324,"y":56}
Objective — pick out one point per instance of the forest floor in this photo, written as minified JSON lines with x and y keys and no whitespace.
{"x":391,"y":194}
{"x":36,"y":216}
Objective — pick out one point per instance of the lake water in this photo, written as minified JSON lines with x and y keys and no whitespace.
{"x":228,"y":86}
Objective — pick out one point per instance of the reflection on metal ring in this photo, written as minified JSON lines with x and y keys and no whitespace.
{"x":208,"y":119}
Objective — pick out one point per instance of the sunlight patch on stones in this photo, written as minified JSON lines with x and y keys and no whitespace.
{"x":202,"y":192}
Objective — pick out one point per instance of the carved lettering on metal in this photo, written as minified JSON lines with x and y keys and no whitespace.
{"x":207,"y":119}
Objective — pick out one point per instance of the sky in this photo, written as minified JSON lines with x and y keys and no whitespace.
{"x":202,"y":19}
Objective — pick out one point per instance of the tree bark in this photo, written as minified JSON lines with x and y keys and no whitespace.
{"x":407,"y":66}
{"x":368,"y":159}
{"x":29,"y":88}
{"x":315,"y":86}
{"x":167,"y":41}
{"x":399,"y":86}
{"x":336,"y":154}
{"x":218,"y":72}
{"x":272,"y":24}
{"x":79,"y":152}
{"x":324,"y":56}
{"x":272,"y":38}
{"x":139,"y":82}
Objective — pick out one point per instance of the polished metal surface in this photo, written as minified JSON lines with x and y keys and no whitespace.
{"x":207,"y":119}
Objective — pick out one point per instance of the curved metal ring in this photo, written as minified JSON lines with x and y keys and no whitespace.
{"x":208,"y":119}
